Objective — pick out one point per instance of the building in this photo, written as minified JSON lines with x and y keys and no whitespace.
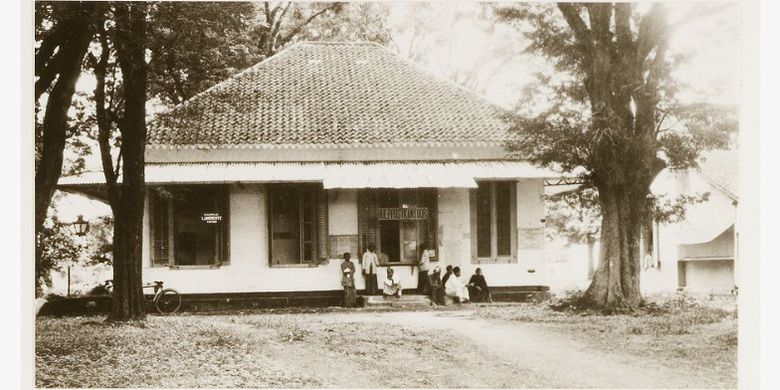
{"x":262,"y":182}
{"x":698,"y":254}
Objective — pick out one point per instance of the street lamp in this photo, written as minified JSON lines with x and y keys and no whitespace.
{"x":80,"y":228}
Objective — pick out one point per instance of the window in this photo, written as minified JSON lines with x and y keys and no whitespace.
{"x":493,"y":219}
{"x":189,"y":225}
{"x":648,"y":255}
{"x":295,"y":223}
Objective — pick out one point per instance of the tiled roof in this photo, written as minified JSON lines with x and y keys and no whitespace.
{"x":318,"y":93}
{"x":720,"y":168}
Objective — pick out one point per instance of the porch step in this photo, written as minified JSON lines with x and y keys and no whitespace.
{"x":405,"y":301}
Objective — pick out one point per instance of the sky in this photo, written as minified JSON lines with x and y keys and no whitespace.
{"x":712,"y":39}
{"x":456,"y":39}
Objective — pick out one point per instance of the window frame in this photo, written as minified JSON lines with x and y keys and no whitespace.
{"x":652,"y":247}
{"x":317,"y":193}
{"x":494,"y":257}
{"x":222,"y":246}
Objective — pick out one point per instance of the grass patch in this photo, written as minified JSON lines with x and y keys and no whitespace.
{"x":674,"y":329}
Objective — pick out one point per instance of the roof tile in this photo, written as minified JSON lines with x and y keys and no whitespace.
{"x":330,"y":93}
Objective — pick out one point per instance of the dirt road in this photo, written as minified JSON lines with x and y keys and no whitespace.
{"x":543,"y":358}
{"x":423,"y":349}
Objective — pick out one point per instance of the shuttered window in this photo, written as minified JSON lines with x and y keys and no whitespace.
{"x":189,"y":225}
{"x":493,"y":220}
{"x":298,"y":221}
{"x":484,"y":219}
{"x":159,"y":230}
{"x":503,"y":211}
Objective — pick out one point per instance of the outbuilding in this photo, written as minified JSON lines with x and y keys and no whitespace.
{"x":700,"y":253}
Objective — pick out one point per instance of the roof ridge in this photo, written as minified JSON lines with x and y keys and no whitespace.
{"x":334,"y":43}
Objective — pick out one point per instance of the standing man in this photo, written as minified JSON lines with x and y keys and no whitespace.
{"x":348,"y":281}
{"x":369,"y":265}
{"x":424,"y":266}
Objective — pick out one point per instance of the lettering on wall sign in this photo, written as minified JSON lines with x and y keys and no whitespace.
{"x":211,"y":217}
{"x":401,"y":213}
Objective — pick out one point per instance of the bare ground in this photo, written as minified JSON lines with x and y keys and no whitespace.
{"x":345,"y":349}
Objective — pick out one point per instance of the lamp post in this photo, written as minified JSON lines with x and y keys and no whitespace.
{"x":80,"y":228}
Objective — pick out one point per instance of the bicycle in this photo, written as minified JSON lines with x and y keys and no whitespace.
{"x":164,"y":300}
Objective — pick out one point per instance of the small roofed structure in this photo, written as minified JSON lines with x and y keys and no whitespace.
{"x":700,"y":253}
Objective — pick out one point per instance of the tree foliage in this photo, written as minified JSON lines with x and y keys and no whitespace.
{"x":602,"y":109}
{"x":57,"y":246}
{"x":573,"y":216}
{"x":64,"y":33}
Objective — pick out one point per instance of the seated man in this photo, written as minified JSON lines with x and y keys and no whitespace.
{"x":456,"y":288}
{"x":478,"y":288}
{"x":392,"y":285}
{"x":436,"y":287}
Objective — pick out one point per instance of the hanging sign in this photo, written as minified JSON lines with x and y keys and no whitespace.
{"x":211,"y":217}
{"x":399,"y":213}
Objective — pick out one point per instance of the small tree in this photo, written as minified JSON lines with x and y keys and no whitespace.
{"x":56,"y":247}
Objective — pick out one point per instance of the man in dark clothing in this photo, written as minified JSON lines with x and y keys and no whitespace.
{"x":478,"y":288}
{"x":446,"y":275}
{"x":348,"y":281}
{"x":436,"y":286}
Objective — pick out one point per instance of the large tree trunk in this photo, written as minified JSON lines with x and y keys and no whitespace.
{"x":616,"y":281}
{"x":74,"y":34}
{"x":130,"y":40}
{"x":622,"y":88}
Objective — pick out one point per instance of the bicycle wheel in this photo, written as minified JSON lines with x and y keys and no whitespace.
{"x":168,"y":301}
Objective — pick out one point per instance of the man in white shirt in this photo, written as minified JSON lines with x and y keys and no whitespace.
{"x":424,"y":267}
{"x":369,"y":264}
{"x":456,"y":288}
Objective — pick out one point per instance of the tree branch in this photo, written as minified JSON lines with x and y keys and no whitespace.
{"x":582,"y":34}
{"x":623,"y":27}
{"x":295,"y":31}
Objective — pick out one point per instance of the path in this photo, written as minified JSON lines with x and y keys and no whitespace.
{"x":554,"y":360}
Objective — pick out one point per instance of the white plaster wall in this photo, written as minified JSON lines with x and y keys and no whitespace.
{"x":709,"y":276}
{"x":249,"y":270}
{"x":455,"y":236}
{"x":342,"y":213}
{"x":717,"y":207}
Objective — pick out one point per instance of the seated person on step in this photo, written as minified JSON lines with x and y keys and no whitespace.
{"x":392,"y":285}
{"x":436,"y":286}
{"x":456,"y":288}
{"x":478,"y":288}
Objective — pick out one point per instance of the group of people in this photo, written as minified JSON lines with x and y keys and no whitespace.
{"x":430,"y":281}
